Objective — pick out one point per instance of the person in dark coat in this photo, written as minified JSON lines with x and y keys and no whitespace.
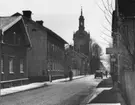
{"x":114,"y":77}
{"x":106,"y":73}
{"x":70,"y":75}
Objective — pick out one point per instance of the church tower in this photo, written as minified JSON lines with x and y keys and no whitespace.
{"x":81,"y":38}
{"x":81,"y":21}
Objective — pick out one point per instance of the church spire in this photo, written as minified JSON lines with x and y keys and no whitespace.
{"x":81,"y":21}
{"x":81,"y":11}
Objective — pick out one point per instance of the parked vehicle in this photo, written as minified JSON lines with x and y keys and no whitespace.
{"x":99,"y":73}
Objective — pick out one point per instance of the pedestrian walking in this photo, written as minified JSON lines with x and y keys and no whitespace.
{"x":106,"y":74}
{"x":70,"y":75}
{"x":114,"y":77}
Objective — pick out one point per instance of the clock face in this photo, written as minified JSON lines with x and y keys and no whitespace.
{"x":81,"y":23}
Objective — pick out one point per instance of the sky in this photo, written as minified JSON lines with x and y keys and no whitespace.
{"x":61,"y":16}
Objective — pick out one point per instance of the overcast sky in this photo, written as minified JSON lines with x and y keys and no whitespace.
{"x":61,"y":16}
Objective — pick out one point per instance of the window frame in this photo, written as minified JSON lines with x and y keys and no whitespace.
{"x":11,"y":64}
{"x":21,"y":66}
{"x":2,"y":64}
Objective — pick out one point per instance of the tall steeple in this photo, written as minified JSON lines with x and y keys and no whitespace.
{"x":81,"y":11}
{"x":81,"y":21}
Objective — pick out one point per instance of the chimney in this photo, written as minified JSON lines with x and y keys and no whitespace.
{"x":27,"y":13}
{"x":40,"y":22}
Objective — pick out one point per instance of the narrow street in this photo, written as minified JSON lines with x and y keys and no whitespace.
{"x":60,"y":93}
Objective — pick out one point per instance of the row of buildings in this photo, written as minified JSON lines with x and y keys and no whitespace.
{"x":123,"y":56}
{"x":31,"y":52}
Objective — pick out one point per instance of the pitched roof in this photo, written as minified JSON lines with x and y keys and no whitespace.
{"x":7,"y":22}
{"x":50,"y":32}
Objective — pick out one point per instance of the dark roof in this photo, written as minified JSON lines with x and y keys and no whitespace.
{"x":7,"y":22}
{"x":50,"y":32}
{"x":17,"y":14}
{"x":126,"y":7}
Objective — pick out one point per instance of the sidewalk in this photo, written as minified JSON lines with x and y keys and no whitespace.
{"x":105,"y":94}
{"x":16,"y":89}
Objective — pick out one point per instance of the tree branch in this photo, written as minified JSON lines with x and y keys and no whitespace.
{"x":100,"y":8}
{"x":107,"y":20}
{"x":106,"y":28}
{"x":111,"y":5}
{"x":106,"y":8}
{"x":106,"y":34}
{"x":104,"y":39}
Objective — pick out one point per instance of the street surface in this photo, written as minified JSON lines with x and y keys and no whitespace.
{"x":59,"y":93}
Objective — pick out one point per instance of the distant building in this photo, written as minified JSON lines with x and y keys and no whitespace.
{"x":82,"y":41}
{"x":81,"y":38}
{"x":75,"y":61}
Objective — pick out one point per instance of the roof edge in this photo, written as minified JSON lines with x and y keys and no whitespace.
{"x":11,"y":24}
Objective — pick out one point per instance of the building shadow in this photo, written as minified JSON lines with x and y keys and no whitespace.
{"x":105,"y":83}
{"x":106,"y":96}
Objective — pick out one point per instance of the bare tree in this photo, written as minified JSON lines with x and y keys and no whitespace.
{"x":96,"y":50}
{"x":126,"y":34}
{"x":107,"y":7}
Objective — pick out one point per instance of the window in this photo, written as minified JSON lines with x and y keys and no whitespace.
{"x":16,"y":39}
{"x":52,"y":47}
{"x":21,"y":66}
{"x":11,"y":65}
{"x":48,"y":47}
{"x":2,"y":65}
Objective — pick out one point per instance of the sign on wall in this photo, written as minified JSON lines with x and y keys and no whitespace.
{"x":113,"y":50}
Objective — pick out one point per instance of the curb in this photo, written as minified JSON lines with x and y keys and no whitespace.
{"x":89,"y":97}
{"x":67,"y":80}
{"x":44,"y":85}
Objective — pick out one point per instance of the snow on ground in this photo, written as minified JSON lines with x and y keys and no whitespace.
{"x":20,"y":88}
{"x":30,"y":86}
{"x":54,"y":94}
{"x":97,"y":92}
